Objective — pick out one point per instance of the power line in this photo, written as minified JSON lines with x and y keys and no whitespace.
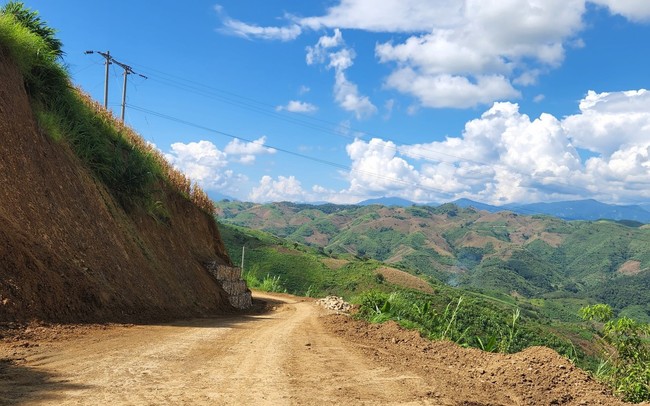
{"x":262,"y":108}
{"x":286,"y":151}
{"x":314,"y":123}
{"x":308,"y":157}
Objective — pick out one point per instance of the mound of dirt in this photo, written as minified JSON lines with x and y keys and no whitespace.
{"x":70,"y":253}
{"x":535,"y":376}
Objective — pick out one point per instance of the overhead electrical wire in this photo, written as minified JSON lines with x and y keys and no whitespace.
{"x":260,"y":107}
{"x":283,"y":150}
{"x":270,"y":110}
{"x":300,"y":155}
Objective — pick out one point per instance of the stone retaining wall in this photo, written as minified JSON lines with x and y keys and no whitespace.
{"x":230,"y":280}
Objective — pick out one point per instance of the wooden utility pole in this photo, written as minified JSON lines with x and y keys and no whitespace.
{"x":127,"y":71}
{"x":107,"y":56}
{"x":243,"y":252}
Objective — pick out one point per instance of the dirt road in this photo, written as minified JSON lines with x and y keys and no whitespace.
{"x":281,"y":357}
{"x":290,"y":355}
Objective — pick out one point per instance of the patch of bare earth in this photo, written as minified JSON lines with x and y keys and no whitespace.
{"x":552,"y":239}
{"x":461,"y":376}
{"x":401,"y":278}
{"x":630,"y":268}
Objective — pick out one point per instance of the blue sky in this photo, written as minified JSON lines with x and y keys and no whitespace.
{"x":498,"y":101}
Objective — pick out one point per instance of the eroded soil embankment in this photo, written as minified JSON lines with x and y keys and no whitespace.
{"x":292,"y":355}
{"x":69,"y":252}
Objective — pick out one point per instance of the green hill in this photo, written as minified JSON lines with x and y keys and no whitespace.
{"x":303,"y":270}
{"x":496,"y":253}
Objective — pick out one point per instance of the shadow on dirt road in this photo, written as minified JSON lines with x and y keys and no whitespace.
{"x":18,"y":384}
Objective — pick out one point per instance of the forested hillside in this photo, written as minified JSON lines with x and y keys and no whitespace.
{"x":500,"y":253}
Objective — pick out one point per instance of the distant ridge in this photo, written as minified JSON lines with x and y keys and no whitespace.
{"x":387,"y":201}
{"x":465,"y":203}
{"x":587,"y":209}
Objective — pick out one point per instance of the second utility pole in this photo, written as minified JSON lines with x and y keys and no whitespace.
{"x":127,"y":71}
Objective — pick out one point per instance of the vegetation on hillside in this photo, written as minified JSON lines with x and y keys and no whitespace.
{"x":535,"y":257}
{"x":275,"y":264}
{"x":626,"y":365}
{"x":468,"y":320}
{"x":523,"y":280}
{"x":130,"y":168}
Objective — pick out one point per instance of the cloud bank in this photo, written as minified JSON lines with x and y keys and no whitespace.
{"x":456,"y":54}
{"x":504,"y":156}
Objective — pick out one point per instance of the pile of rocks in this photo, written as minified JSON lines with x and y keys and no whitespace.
{"x":335,"y":303}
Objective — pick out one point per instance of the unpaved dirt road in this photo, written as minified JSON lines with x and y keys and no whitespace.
{"x":290,"y":355}
{"x":281,"y":357}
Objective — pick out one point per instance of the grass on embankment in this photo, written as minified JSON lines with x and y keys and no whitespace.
{"x":130,"y":168}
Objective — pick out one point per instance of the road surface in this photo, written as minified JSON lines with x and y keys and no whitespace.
{"x":288,"y":356}
{"x":281,"y":357}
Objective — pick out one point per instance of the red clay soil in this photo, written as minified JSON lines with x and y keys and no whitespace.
{"x":535,"y":376}
{"x":69,"y":252}
{"x":293,"y":354}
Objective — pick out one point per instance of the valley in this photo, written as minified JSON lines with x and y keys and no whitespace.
{"x":504,"y":254}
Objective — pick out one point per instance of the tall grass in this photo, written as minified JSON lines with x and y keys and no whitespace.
{"x":459,"y":319}
{"x":120,"y":158}
{"x":32,"y":21}
{"x":268,"y":283}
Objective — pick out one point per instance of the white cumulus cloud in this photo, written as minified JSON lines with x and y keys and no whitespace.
{"x":387,"y":15}
{"x":296,"y":106}
{"x":505,"y":156}
{"x":490,"y":46}
{"x":247,"y":151}
{"x":456,"y":53}
{"x":249,"y":31}
{"x":609,"y":121}
{"x":635,"y":10}
{"x":346,"y":93}
{"x":452,"y":91}
{"x":280,"y":189}
{"x":376,"y":167}
{"x":318,"y":52}
{"x":205,"y":164}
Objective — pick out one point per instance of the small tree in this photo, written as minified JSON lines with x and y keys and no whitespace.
{"x":630,"y":369}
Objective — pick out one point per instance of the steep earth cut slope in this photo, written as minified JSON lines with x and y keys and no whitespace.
{"x":69,"y":252}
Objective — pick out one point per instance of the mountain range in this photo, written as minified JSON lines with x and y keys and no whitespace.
{"x":587,"y":209}
{"x":500,"y":253}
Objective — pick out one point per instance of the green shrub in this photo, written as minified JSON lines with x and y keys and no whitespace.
{"x":629,"y":369}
